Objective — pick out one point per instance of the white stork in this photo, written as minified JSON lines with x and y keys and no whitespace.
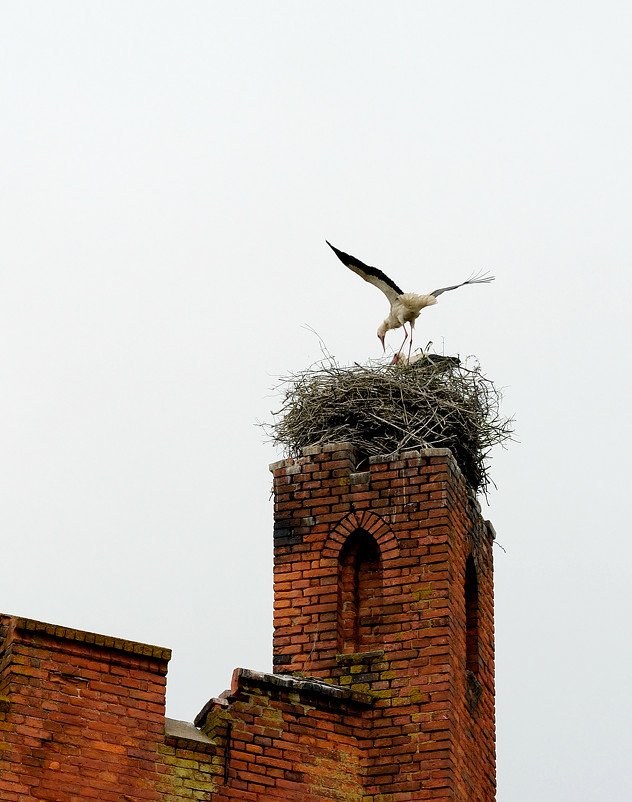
{"x":405,"y":306}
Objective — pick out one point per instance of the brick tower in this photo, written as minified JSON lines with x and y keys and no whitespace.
{"x":383,"y":585}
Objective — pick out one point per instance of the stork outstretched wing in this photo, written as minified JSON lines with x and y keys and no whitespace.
{"x":371,"y":274}
{"x":478,"y":278}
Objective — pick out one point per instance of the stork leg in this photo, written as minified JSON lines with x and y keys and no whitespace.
{"x":405,"y":338}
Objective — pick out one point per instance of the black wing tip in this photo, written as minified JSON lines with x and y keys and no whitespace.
{"x":345,"y":258}
{"x":364,"y":270}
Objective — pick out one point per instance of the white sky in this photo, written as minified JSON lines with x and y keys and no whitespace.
{"x":169,"y":174}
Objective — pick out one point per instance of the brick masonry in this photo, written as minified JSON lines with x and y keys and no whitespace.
{"x":383,"y":683}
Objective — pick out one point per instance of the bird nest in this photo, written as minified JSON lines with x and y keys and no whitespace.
{"x":380,"y":409}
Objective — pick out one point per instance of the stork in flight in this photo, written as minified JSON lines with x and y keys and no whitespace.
{"x":405,"y":306}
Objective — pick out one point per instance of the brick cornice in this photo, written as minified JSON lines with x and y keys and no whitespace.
{"x":29,"y":625}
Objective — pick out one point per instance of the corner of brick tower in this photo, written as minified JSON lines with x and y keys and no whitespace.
{"x":384,"y":585}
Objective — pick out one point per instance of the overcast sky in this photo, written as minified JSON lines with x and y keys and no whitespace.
{"x":168,"y":175}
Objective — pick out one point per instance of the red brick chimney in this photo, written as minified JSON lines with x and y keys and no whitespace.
{"x":384,"y":585}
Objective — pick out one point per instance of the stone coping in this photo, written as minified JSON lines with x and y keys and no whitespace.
{"x":185,"y":731}
{"x":317,"y":690}
{"x":291,"y":683}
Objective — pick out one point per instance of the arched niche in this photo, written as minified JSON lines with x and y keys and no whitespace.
{"x":359,"y":593}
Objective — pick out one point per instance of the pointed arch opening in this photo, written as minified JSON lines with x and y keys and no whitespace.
{"x":359,"y":593}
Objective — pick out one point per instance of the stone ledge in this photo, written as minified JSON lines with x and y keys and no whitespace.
{"x":245,"y":678}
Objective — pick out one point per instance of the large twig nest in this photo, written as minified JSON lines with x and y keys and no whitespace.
{"x":380,"y":409}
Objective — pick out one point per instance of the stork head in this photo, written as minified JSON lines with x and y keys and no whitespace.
{"x":381,"y":333}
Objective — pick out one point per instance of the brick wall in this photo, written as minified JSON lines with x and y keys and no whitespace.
{"x":432,"y":725}
{"x":83,"y":714}
{"x":383,"y":658}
